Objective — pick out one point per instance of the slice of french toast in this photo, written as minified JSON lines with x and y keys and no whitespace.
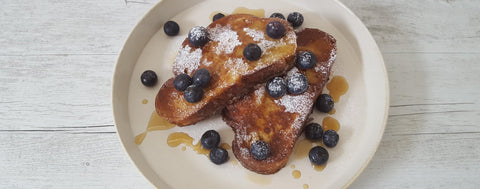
{"x":280,"y":121}
{"x":232,"y":75}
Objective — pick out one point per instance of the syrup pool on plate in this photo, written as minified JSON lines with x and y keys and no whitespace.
{"x":242,"y":10}
{"x":338,"y":86}
{"x":155,"y":123}
{"x":178,"y":138}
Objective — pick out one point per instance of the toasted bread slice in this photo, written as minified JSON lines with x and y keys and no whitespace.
{"x":232,"y":75}
{"x":279,"y":122}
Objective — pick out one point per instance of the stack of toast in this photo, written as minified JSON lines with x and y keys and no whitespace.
{"x":237,"y":86}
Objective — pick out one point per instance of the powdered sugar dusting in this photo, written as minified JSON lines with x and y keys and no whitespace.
{"x":227,"y":38}
{"x":300,"y":104}
{"x":236,"y":66}
{"x":206,"y":63}
{"x":259,"y":36}
{"x":259,"y":94}
{"x":187,"y":60}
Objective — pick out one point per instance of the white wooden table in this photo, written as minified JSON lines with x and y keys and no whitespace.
{"x":56,"y":65}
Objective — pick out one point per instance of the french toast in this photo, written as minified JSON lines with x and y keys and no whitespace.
{"x":232,"y":76}
{"x":280,"y":121}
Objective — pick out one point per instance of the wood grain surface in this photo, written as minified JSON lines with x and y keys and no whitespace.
{"x":56,"y":65}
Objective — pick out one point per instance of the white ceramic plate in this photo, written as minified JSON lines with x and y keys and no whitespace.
{"x":362,"y":111}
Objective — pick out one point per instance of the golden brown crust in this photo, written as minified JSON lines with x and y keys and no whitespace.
{"x":280,"y":121}
{"x":231,"y":74}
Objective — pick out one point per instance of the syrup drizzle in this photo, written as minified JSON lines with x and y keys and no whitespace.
{"x":296,"y":174}
{"x":255,"y":12}
{"x":331,"y":112}
{"x":301,"y":149}
{"x":156,"y":123}
{"x":259,"y":179}
{"x":177,"y":138}
{"x":338,"y":86}
{"x":330,"y":123}
{"x":319,"y":167}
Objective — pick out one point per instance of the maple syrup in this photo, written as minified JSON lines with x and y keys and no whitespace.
{"x":255,"y":12}
{"x":331,"y":112}
{"x":259,"y":179}
{"x":225,"y":146}
{"x":330,"y":123}
{"x":296,"y":174}
{"x":178,"y":138}
{"x":144,"y":101}
{"x":338,"y":86}
{"x":319,"y":167}
{"x":216,"y":12}
{"x":155,"y":123}
{"x":301,"y":149}
{"x":234,"y":162}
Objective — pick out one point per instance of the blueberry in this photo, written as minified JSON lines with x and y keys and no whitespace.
{"x":149,"y":78}
{"x":277,"y":15}
{"x":218,"y":155}
{"x":182,"y":81}
{"x":295,"y":19}
{"x":330,"y":138}
{"x":210,"y":139}
{"x":252,"y":52}
{"x":198,"y":36}
{"x":260,"y":150}
{"x":217,"y":16}
{"x":297,"y":83}
{"x":193,"y":94}
{"x":275,"y":29}
{"x":276,"y":87}
{"x":201,"y":77}
{"x":306,"y":60}
{"x":318,"y":155}
{"x":171,"y":28}
{"x":324,"y":103}
{"x":313,"y":131}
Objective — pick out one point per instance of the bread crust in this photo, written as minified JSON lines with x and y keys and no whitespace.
{"x":280,"y":121}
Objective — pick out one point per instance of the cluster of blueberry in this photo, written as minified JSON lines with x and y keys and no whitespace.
{"x":192,"y":87}
{"x":314,"y":132}
{"x":296,"y":83}
{"x":210,"y":141}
